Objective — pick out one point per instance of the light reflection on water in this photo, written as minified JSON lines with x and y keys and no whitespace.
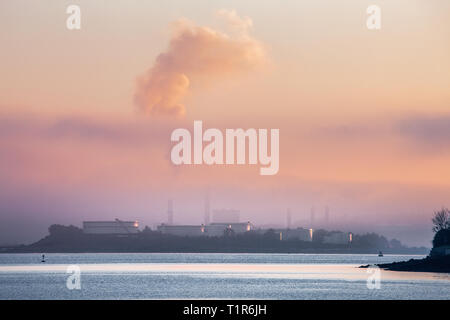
{"x":201,"y":276}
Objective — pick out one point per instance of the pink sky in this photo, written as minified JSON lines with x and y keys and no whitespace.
{"x":86,"y":116}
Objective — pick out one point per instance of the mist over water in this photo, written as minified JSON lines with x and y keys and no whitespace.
{"x":28,"y":221}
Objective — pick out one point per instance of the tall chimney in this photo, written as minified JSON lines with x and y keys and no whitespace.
{"x":288,"y":218}
{"x":170,"y":212}
{"x":207,"y":207}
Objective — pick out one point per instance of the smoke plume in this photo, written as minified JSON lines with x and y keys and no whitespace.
{"x":197,"y":52}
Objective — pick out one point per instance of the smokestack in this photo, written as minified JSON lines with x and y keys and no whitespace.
{"x":170,"y":212}
{"x":288,"y":218}
{"x":312,"y":216}
{"x":207,"y":207}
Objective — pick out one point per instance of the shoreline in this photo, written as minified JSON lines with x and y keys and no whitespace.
{"x":212,"y":251}
{"x":219,"y":253}
{"x":439,"y":264}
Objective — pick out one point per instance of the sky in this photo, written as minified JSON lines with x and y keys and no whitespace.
{"x":86,"y":115}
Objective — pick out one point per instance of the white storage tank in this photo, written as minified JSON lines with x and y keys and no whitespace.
{"x":111,"y":227}
{"x":182,"y":230}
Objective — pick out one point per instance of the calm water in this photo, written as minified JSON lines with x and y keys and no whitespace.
{"x":213,"y":276}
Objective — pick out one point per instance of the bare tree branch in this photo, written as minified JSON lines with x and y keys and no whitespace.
{"x":441,"y":220}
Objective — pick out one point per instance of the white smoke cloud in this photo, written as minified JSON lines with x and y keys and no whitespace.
{"x":194,"y":52}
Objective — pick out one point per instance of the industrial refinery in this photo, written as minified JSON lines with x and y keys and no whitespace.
{"x":223,"y":222}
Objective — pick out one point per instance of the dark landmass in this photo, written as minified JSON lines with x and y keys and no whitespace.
{"x":428,"y":264}
{"x":70,"y":239}
{"x":437,"y":261}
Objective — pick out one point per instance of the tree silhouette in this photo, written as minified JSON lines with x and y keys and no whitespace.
{"x":441,"y":220}
{"x":441,"y":238}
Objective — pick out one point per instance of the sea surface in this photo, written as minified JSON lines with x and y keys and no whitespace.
{"x":213,"y":276}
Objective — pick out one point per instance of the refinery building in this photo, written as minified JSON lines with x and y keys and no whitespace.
{"x":117,"y":227}
{"x":224,"y":221}
{"x":210,"y":230}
